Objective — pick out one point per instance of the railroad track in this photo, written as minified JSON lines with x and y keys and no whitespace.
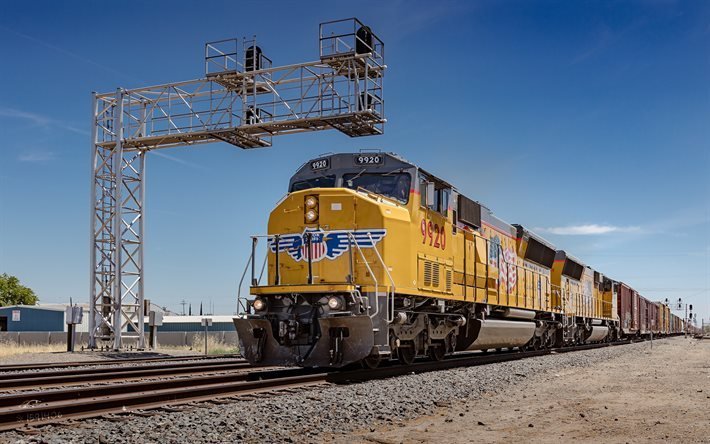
{"x":28,"y":409}
{"x":107,"y":362}
{"x":65,"y":377}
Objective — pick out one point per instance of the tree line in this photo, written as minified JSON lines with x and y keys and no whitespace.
{"x":12,"y":292}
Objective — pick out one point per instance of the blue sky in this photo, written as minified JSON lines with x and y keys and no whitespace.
{"x":585,"y":120}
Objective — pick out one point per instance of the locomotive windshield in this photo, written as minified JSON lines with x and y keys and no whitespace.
{"x":393,"y":185}
{"x":317,"y":182}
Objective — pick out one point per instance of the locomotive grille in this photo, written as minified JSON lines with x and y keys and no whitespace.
{"x":431,"y":274}
{"x":427,"y":273}
{"x":435,"y":275}
{"x":448,"y":281}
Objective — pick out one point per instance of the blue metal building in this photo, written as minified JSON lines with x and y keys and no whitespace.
{"x":31,"y":318}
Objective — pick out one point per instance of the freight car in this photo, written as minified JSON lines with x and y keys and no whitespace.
{"x":370,"y":257}
{"x":639,"y":317}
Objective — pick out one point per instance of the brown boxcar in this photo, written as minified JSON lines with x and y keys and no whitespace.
{"x":676,"y":324}
{"x":643,"y":315}
{"x":628,"y":308}
{"x":653,"y":318}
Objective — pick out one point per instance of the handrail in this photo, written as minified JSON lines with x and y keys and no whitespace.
{"x":241,"y":281}
{"x":256,"y":281}
{"x":382,"y":262}
{"x":372,"y":275}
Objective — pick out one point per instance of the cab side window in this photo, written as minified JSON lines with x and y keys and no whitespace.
{"x":445,"y":194}
{"x":423,"y":180}
{"x":441,"y":196}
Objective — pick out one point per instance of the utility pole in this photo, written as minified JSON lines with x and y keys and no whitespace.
{"x":183,"y":303}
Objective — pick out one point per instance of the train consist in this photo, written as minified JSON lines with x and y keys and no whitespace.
{"x":369,"y":257}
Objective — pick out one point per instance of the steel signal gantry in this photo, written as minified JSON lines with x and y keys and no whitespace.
{"x":243,"y":100}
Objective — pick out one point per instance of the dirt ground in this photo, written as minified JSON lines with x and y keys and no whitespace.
{"x":660,"y":394}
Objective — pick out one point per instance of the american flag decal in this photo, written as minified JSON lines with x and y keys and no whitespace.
{"x":325,"y":244}
{"x":318,"y":250}
{"x":507,"y":269}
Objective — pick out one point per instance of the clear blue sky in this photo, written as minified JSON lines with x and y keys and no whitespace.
{"x":586,"y":120}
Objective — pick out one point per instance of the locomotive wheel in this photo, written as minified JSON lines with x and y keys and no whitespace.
{"x":549,"y":341}
{"x":536,"y":343}
{"x":406,"y":352}
{"x":372,"y":361}
{"x":437,"y":352}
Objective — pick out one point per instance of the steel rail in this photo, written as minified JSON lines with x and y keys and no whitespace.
{"x":47,"y":379}
{"x":31,"y":413}
{"x":118,"y":368}
{"x":58,"y":365}
{"x":39,"y":408}
{"x":28,"y":399}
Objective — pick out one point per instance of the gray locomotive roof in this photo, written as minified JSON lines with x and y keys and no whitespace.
{"x":344,"y":162}
{"x":562,"y":254}
{"x":522,"y":230}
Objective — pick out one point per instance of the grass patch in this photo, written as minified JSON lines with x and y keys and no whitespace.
{"x":214,"y":346}
{"x":13,"y":348}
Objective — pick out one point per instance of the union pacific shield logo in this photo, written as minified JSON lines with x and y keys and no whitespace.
{"x":325,"y":244}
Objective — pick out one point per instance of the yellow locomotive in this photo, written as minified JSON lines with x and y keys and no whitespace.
{"x":370,"y":257}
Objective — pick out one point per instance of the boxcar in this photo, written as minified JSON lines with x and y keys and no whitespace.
{"x":628,"y":308}
{"x":653,"y":318}
{"x":643,"y":315}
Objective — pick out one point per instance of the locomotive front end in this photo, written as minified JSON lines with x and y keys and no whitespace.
{"x":325,"y":297}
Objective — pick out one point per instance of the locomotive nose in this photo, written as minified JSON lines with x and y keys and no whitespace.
{"x":340,"y":341}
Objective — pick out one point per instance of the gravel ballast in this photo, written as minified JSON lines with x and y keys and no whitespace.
{"x":319,"y":413}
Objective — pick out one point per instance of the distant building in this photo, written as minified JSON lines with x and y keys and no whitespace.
{"x":40,"y":317}
{"x":31,"y":318}
{"x":51,"y":317}
{"x":194,"y":323}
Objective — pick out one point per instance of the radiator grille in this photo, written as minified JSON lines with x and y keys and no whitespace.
{"x":435,"y":275}
{"x":427,"y":273}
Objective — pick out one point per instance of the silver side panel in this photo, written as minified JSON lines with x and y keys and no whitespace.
{"x":494,"y":333}
{"x":598,"y":334}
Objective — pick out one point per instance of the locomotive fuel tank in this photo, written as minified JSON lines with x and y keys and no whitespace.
{"x":599,"y":333}
{"x":495,"y":333}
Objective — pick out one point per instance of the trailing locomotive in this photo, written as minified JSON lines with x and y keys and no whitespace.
{"x":370,"y":257}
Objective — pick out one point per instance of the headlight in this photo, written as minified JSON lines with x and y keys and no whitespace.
{"x":310,"y":204}
{"x":311,"y":216}
{"x":336,"y":303}
{"x":311,"y":201}
{"x":259,"y":304}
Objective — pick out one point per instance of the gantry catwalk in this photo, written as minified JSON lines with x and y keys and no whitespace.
{"x":243,"y":100}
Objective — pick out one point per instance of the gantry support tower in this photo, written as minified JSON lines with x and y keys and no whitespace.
{"x":243,"y":100}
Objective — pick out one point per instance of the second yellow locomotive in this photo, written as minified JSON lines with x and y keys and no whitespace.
{"x":370,"y":257}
